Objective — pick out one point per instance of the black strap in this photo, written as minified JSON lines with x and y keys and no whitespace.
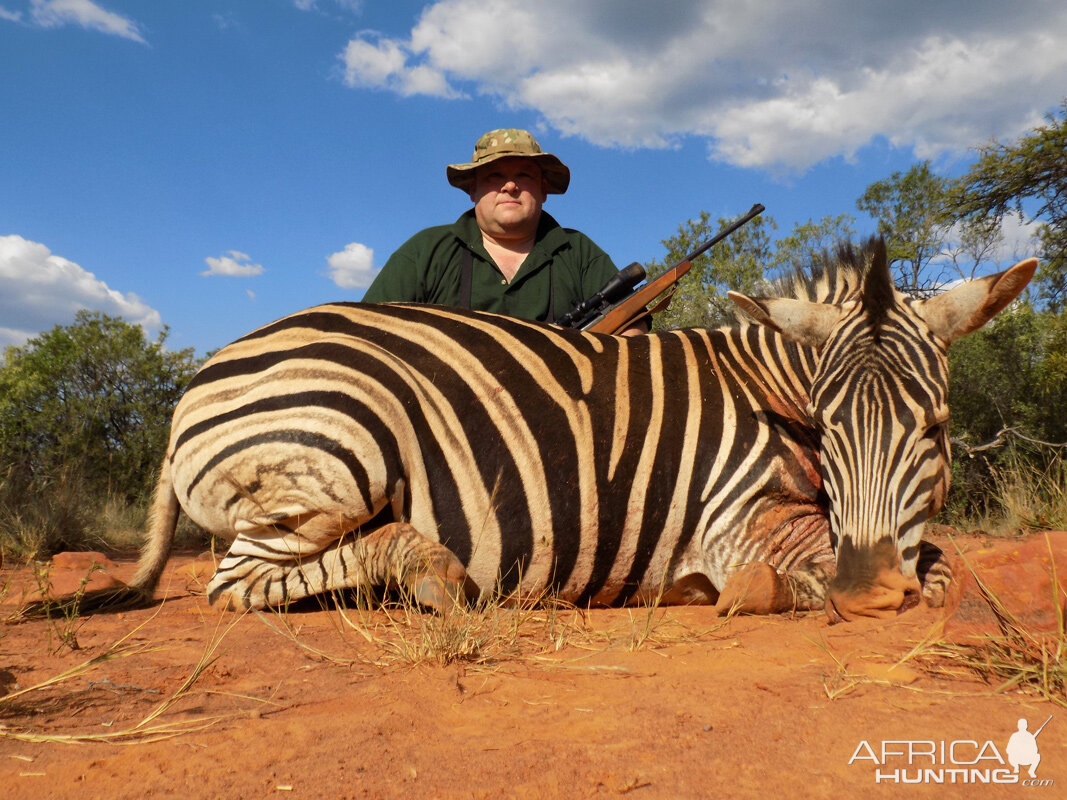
{"x":466,"y":275}
{"x":551,"y":296}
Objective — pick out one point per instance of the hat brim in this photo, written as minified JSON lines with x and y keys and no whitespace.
{"x":556,"y":173}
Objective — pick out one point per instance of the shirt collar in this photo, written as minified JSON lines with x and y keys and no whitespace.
{"x":550,"y":236}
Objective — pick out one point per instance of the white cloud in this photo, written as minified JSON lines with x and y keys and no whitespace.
{"x":375,"y":63}
{"x":39,"y":290}
{"x":353,"y":6}
{"x":86,"y":14}
{"x":353,"y":267}
{"x":10,"y":16}
{"x":777,"y":85}
{"x":1020,"y":238}
{"x":225,"y":21}
{"x":236,"y":264}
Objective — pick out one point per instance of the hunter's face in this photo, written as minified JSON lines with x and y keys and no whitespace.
{"x":507,"y":195}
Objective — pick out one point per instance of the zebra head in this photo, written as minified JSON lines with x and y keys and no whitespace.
{"x":879,"y":402}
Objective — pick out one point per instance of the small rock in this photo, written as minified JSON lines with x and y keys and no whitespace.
{"x":67,"y":574}
{"x":81,"y":562}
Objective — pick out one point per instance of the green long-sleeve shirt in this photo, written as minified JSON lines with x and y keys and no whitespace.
{"x":427,"y":267}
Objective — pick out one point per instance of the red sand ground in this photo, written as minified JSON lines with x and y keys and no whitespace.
{"x":749,"y":707}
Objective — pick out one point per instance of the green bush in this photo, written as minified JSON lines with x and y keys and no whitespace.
{"x":84,"y":418}
{"x":1008,"y":396}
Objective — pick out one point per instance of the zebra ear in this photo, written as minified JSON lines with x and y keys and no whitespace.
{"x":968,"y":307}
{"x":807,"y":323}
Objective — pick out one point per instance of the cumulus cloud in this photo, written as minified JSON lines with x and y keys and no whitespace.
{"x":1019,"y":238}
{"x":375,"y":63}
{"x":777,"y":85}
{"x":353,"y":267}
{"x":85,"y":14}
{"x":236,"y":264}
{"x":39,"y":290}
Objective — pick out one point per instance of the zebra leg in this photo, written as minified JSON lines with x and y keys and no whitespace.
{"x":255,"y":574}
{"x":791,"y":569}
{"x":934,"y":572}
{"x":759,"y":588}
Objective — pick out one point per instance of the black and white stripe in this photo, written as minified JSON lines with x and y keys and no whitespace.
{"x":349,"y":443}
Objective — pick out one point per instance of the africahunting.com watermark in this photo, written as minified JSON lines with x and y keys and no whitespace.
{"x":907,"y":761}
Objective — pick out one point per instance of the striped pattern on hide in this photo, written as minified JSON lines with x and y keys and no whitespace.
{"x":351,"y":445}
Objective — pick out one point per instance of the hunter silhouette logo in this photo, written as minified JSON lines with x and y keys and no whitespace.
{"x":960,"y":761}
{"x":1022,"y":748}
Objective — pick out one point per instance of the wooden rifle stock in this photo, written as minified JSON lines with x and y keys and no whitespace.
{"x":632,"y":309}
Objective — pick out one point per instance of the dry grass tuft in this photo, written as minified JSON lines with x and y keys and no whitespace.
{"x":151,"y":728}
{"x":1021,"y":494}
{"x":484,"y":634}
{"x":399,"y":632}
{"x":1034,"y":497}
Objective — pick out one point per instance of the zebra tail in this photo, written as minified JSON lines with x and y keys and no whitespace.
{"x":139,"y":592}
{"x":162,"y":523}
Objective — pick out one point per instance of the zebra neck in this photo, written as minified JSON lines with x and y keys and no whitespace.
{"x":777,"y":369}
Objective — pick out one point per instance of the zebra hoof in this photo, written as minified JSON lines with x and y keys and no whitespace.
{"x":934,"y":594}
{"x":934,"y":570}
{"x":756,"y":589}
{"x":442,"y":590}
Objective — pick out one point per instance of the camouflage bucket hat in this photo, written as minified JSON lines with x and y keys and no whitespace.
{"x":510,"y":143}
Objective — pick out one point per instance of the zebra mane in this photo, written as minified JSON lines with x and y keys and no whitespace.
{"x":847,"y":273}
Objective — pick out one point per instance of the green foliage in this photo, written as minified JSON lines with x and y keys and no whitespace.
{"x":744,"y":262}
{"x":809,"y":242}
{"x":927,"y":244}
{"x":1008,"y":386}
{"x":987,"y":368}
{"x":736,"y":263}
{"x":84,"y":417}
{"x":907,"y":208}
{"x":1016,"y":178}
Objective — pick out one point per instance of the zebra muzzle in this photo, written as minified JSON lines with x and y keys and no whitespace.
{"x":891,"y":594}
{"x":869,"y":583}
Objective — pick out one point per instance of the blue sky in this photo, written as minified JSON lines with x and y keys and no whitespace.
{"x":212,"y":165}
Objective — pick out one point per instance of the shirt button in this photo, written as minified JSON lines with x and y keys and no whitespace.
{"x":503,"y":281}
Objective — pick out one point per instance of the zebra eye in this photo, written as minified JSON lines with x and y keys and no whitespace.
{"x":933,"y":422}
{"x":939,"y":422}
{"x":936,"y":430}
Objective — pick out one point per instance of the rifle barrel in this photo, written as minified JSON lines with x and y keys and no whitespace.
{"x":1047,"y":721}
{"x":756,"y":210}
{"x":588,"y":314}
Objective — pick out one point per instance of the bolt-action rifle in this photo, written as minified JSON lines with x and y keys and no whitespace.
{"x":618,"y":305}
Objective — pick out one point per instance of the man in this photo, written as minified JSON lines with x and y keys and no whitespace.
{"x":1022,"y":748}
{"x":506,"y":254}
